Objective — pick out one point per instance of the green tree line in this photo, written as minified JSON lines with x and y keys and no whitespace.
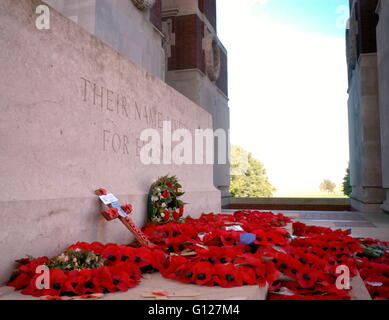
{"x":248,"y":175}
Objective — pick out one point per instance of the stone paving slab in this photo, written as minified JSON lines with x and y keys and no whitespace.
{"x":343,"y":216}
{"x":376,"y":233}
{"x":359,"y":290}
{"x":354,"y":224}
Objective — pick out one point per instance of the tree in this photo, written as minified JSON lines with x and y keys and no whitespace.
{"x":328,"y":185}
{"x":347,"y":188}
{"x":248,"y":176}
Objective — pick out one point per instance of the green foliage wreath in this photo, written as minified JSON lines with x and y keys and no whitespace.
{"x":164,"y":204}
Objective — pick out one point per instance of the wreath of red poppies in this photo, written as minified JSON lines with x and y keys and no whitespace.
{"x":122,"y":271}
{"x":213,"y":251}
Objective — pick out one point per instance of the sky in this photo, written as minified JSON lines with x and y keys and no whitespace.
{"x":288,"y":87}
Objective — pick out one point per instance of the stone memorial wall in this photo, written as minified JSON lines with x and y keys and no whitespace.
{"x":72,"y":111}
{"x":383,"y":80}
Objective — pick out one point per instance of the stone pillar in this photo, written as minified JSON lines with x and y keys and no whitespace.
{"x":383,"y":81}
{"x":197,"y":66}
{"x":365,"y":146}
{"x":82,"y":12}
{"x":132,"y":28}
{"x":363,"y":106}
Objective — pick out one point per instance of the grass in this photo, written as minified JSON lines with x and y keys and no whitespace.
{"x":312,"y":195}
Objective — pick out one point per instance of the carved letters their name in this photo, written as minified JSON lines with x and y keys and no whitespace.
{"x":121,"y":107}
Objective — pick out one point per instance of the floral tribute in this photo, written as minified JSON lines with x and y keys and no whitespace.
{"x":164,"y":203}
{"x":212,"y":251}
{"x":373,"y":266}
{"x":244,"y":248}
{"x":85,"y":269}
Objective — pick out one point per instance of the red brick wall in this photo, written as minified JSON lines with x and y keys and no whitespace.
{"x":208,"y":7}
{"x":222,"y":82}
{"x":367,"y":23}
{"x":187,"y":52}
{"x":156,"y":14}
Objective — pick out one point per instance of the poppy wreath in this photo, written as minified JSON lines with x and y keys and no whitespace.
{"x":373,"y":265}
{"x":209,"y":251}
{"x":245,"y":248}
{"x":85,"y":269}
{"x":164,"y":204}
{"x":301,"y":266}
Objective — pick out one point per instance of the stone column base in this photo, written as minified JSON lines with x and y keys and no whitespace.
{"x":385,"y":205}
{"x":226,"y":201}
{"x":225,"y":195}
{"x":367,"y":199}
{"x":366,"y":207}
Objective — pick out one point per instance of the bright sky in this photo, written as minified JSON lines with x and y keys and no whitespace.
{"x":288,"y":87}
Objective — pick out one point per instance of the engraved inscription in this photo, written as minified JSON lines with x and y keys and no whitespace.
{"x":123,"y":107}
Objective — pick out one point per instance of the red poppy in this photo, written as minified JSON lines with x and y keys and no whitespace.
{"x":142,"y":257}
{"x":216,"y":255}
{"x":177,"y":244}
{"x":248,"y":275}
{"x":261,"y":238}
{"x":158,"y":258}
{"x":81,"y":245}
{"x":166,"y":215}
{"x":99,"y":282}
{"x":276,"y":237}
{"x":101,"y":191}
{"x":298,"y":229}
{"x":126,"y":254}
{"x":112,"y":254}
{"x":184,"y":273}
{"x":121,"y":280}
{"x":127,"y":208}
{"x":307,"y":278}
{"x":20,"y":280}
{"x":271,"y":273}
{"x":176,"y":215}
{"x":110,"y":214}
{"x":173,"y":265}
{"x":229,"y":238}
{"x":227,"y":276}
{"x":58,"y":279}
{"x":32,"y":290}
{"x":32,"y":266}
{"x":203,"y":273}
{"x":57,"y":285}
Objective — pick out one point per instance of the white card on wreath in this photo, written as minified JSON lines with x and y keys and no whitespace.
{"x":108,"y":198}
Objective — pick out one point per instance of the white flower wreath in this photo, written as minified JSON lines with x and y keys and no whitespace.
{"x":143,"y":4}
